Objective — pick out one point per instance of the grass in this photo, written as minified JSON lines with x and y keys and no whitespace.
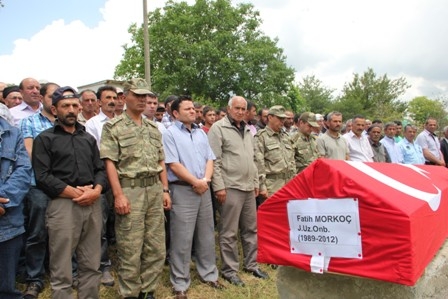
{"x":255,"y":288}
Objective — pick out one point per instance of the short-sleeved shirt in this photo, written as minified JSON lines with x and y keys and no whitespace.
{"x":32,"y":126}
{"x":189,"y":148}
{"x":136,"y":150}
{"x":35,"y":124}
{"x":332,"y":148}
{"x":305,"y":150}
{"x":429,"y":141}
{"x":412,"y":152}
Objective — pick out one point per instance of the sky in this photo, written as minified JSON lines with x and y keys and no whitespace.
{"x":80,"y":42}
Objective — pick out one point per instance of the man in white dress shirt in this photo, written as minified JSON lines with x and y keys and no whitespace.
{"x":358,"y":143}
{"x":107,"y":97}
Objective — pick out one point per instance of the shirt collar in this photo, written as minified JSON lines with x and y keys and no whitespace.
{"x":24,"y":106}
{"x":181,"y":126}
{"x":234,"y":123}
{"x":102,"y":116}
{"x":430,"y":134}
{"x":78,"y":127}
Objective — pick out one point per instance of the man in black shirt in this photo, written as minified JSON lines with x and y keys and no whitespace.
{"x":68,"y":169}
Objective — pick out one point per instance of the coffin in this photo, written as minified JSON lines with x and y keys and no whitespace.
{"x":402,"y":210}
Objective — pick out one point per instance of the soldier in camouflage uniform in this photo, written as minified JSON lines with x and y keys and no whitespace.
{"x":131,"y":147}
{"x":274,"y":154}
{"x":305,"y":142}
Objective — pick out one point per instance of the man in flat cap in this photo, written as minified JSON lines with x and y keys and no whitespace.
{"x":131,"y":147}
{"x":69,"y":170}
{"x":274,"y":154}
{"x":12,"y":96}
{"x":305,"y":145}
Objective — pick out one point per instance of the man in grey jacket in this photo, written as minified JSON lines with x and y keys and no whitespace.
{"x":235,"y":182}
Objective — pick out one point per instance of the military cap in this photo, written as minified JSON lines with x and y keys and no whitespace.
{"x":310,"y":118}
{"x":137,"y":86}
{"x":278,"y":111}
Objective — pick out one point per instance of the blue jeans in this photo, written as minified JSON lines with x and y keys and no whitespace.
{"x":9,"y":259}
{"x":36,"y":202}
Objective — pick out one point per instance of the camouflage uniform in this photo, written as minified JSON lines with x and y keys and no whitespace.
{"x":274,"y":156}
{"x":305,"y":150}
{"x":136,"y":152}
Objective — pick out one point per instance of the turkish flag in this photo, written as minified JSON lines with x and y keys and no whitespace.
{"x":403,"y":214}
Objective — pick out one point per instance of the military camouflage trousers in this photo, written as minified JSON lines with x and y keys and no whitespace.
{"x":276,"y":182}
{"x":141,"y":241}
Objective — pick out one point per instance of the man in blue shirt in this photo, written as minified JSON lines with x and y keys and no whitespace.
{"x":36,"y":201}
{"x":189,"y":160}
{"x":15,"y":177}
{"x":389,"y":143}
{"x":412,"y":152}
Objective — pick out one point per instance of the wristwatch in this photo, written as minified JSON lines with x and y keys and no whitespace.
{"x":166,"y":191}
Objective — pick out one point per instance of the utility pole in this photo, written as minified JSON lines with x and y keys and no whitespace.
{"x":146,"y":43}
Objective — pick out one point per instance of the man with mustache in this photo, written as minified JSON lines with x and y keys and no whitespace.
{"x":332,"y":145}
{"x":358,"y":144}
{"x":107,"y":97}
{"x":69,"y":170}
{"x":89,"y":106}
{"x":379,"y":151}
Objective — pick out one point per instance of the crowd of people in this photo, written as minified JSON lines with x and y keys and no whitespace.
{"x":116,"y":165}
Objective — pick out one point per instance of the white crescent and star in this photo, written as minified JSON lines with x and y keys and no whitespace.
{"x":433,"y":199}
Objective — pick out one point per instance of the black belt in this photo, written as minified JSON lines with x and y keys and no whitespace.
{"x":277,"y":176}
{"x":182,"y":183}
{"x":139,"y":182}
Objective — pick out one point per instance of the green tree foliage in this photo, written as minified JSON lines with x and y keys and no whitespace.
{"x":295,"y":100}
{"x":212,"y":50}
{"x":318,"y":98}
{"x":420,"y":108}
{"x":372,"y":96}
